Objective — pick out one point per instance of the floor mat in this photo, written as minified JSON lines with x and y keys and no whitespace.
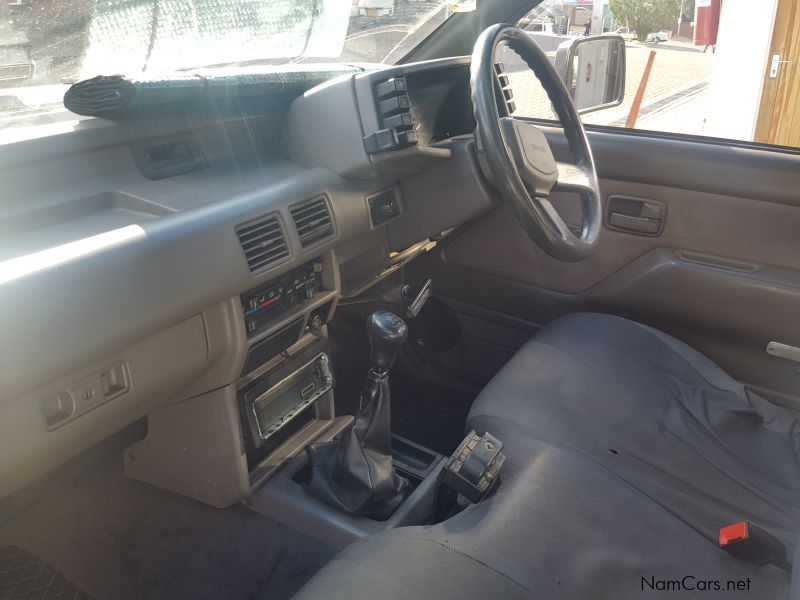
{"x":113,"y":537}
{"x":24,"y":576}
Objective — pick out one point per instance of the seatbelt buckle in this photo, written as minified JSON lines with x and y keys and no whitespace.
{"x":749,"y":542}
{"x":474,"y":468}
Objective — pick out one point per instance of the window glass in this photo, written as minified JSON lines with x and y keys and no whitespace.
{"x":719,"y":68}
{"x":47,"y":44}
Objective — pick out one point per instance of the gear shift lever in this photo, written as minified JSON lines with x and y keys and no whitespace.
{"x":386,"y":332}
{"x":355,"y":472}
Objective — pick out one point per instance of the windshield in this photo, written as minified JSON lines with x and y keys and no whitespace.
{"x":45,"y":45}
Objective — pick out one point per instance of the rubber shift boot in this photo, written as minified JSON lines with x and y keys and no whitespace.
{"x":355,"y":472}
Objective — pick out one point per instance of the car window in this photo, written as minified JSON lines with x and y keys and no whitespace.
{"x":719,"y":69}
{"x":45,"y":45}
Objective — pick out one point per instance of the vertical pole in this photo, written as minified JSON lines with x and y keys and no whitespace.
{"x":637,"y":100}
{"x":598,"y":11}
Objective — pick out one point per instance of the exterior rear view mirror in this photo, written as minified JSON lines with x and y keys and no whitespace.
{"x":593,"y":69}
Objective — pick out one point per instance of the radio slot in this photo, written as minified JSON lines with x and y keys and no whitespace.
{"x":273,"y":404}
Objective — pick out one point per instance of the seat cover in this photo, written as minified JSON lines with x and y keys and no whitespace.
{"x":627,"y":451}
{"x":656,"y":413}
{"x":559,"y":527}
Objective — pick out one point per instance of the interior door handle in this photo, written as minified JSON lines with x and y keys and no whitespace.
{"x":635,"y":215}
{"x":636,"y":224}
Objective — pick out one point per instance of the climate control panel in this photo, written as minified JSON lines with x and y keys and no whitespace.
{"x":262,"y":305}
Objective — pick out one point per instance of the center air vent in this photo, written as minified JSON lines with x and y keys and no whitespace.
{"x":313,"y":221}
{"x":263,"y":242}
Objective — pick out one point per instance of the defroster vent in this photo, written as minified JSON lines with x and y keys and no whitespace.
{"x":263,"y":242}
{"x":313,"y":221}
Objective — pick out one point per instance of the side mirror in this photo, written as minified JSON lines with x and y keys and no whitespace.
{"x":593,"y":69}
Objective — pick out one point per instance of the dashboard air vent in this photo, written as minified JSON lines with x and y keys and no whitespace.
{"x":263,"y":242}
{"x":313,"y":221}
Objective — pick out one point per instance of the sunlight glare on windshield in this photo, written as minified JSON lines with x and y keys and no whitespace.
{"x":130,"y":39}
{"x":47,"y":45}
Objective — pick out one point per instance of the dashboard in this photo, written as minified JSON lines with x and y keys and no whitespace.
{"x":163,"y":274}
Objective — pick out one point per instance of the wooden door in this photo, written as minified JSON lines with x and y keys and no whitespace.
{"x":779,"y":110}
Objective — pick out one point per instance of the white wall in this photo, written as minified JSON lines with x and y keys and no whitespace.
{"x":740,"y":64}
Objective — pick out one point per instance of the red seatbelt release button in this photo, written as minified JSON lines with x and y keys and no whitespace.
{"x":731,"y":534}
{"x":747,"y":541}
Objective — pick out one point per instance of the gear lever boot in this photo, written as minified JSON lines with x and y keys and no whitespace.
{"x":355,"y":472}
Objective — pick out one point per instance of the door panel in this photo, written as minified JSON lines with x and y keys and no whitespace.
{"x":724,"y":275}
{"x":729,"y":227}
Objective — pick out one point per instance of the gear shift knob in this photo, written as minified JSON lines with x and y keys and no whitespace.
{"x":386,"y":332}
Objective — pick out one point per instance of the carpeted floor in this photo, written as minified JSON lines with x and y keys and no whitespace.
{"x":113,"y":537}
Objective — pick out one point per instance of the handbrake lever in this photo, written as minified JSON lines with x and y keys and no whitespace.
{"x":414,"y":308}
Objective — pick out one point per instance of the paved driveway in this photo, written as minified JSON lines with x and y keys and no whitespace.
{"x":678,"y":73}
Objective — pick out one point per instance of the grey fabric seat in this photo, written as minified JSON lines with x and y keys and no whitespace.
{"x":627,"y":451}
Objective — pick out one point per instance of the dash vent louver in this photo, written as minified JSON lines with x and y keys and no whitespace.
{"x":313,"y":221}
{"x":263,"y":242}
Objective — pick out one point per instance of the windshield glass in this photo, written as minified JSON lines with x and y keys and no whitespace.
{"x":45,"y":45}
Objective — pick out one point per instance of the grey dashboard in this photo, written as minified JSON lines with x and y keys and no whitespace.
{"x":103,"y":261}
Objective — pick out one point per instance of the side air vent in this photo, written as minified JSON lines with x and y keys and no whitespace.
{"x":313,"y":221}
{"x":263,"y":242}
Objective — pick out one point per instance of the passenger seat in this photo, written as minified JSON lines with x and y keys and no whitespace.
{"x":627,"y":451}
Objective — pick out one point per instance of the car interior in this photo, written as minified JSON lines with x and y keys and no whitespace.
{"x":248,"y":321}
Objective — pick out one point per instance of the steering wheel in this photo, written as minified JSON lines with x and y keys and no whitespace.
{"x":516,"y":158}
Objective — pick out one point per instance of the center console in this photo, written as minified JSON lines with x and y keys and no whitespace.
{"x":271,"y":437}
{"x":270,"y":392}
{"x":285,"y":392}
{"x":357,"y":482}
{"x":284,"y":498}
